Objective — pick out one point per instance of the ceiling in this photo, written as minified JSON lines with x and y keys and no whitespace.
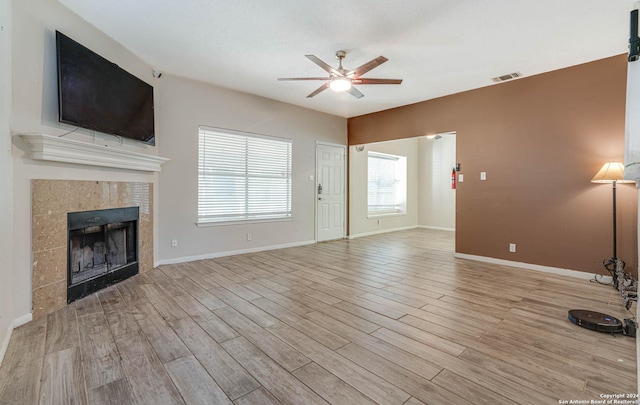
{"x":437,"y":47}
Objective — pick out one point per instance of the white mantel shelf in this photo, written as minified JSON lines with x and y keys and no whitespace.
{"x":57,"y":149}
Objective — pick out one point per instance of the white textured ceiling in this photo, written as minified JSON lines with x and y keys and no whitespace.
{"x":437,"y":47}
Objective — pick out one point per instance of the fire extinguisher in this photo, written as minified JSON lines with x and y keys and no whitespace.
{"x":453,"y":179}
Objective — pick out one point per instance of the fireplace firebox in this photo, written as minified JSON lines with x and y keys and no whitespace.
{"x":103,"y":249}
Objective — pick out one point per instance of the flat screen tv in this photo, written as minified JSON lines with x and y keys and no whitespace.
{"x":96,"y":94}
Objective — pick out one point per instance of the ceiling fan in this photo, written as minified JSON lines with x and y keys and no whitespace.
{"x":341,"y":79}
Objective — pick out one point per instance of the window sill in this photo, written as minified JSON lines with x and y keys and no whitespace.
{"x":386,"y":214}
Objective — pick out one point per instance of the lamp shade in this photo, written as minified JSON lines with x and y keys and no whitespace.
{"x":610,"y":172}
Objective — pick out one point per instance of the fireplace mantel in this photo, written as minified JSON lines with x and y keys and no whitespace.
{"x":57,"y":149}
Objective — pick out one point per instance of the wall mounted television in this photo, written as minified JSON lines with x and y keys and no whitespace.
{"x":96,"y":94}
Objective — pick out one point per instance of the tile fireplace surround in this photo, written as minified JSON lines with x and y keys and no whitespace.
{"x":51,"y":200}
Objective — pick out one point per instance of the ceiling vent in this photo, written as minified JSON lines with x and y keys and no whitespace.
{"x":504,"y":78}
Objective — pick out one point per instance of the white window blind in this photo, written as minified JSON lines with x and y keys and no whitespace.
{"x":243,"y":177}
{"x":386,"y":191}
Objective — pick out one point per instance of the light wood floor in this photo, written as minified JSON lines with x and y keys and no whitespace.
{"x":388,"y":319}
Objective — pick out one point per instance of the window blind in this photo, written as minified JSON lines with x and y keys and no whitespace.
{"x":243,"y":177}
{"x":382,"y":191}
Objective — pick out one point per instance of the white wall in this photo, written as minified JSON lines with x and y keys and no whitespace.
{"x":7,"y":312}
{"x":359,"y":224}
{"x":34,"y":109}
{"x":184,"y":106}
{"x":436,"y":199}
{"x":632,"y":149}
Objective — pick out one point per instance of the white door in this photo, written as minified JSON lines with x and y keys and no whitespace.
{"x":330,"y":191}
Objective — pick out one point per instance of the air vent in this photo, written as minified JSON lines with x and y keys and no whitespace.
{"x":504,"y":78}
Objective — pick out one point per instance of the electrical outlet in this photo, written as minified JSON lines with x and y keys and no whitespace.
{"x":512,"y":247}
{"x":249,"y":236}
{"x":483,"y":175}
{"x":174,"y":242}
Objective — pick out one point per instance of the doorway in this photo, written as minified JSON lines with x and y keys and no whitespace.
{"x":330,"y":191}
{"x":436,"y":185}
{"x":430,"y":196}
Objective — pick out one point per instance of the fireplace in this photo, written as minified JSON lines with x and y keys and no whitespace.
{"x":52,"y":201}
{"x":102,"y":249}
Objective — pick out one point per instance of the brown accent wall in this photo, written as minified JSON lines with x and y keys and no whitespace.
{"x":540,"y":139}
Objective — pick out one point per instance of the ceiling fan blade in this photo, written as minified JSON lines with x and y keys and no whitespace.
{"x":303,"y":78}
{"x":373,"y":63}
{"x":355,"y":92}
{"x":376,"y":81}
{"x":325,"y":66}
{"x":319,"y":90}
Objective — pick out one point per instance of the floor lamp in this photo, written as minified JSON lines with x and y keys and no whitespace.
{"x":612,"y":172}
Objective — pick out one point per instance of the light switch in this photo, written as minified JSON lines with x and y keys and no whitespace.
{"x":311,"y":177}
{"x":460,"y":178}
{"x":483,"y":175}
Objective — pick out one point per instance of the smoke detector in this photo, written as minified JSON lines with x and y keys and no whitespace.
{"x":506,"y":77}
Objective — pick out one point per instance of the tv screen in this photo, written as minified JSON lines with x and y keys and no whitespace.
{"x":96,"y":94}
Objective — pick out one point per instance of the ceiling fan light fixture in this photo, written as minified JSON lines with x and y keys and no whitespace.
{"x":339,"y":84}
{"x":341,"y":79}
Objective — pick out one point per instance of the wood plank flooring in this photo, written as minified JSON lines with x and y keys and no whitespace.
{"x":387,"y":319}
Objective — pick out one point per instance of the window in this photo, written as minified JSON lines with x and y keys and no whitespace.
{"x":243,"y":177}
{"x":387,"y":185}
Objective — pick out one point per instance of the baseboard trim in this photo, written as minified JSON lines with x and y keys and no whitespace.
{"x":437,"y":228}
{"x":5,"y":342}
{"x":360,"y":235}
{"x":215,"y":255}
{"x":535,"y":267}
{"x":22,"y":320}
{"x":16,"y":322}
